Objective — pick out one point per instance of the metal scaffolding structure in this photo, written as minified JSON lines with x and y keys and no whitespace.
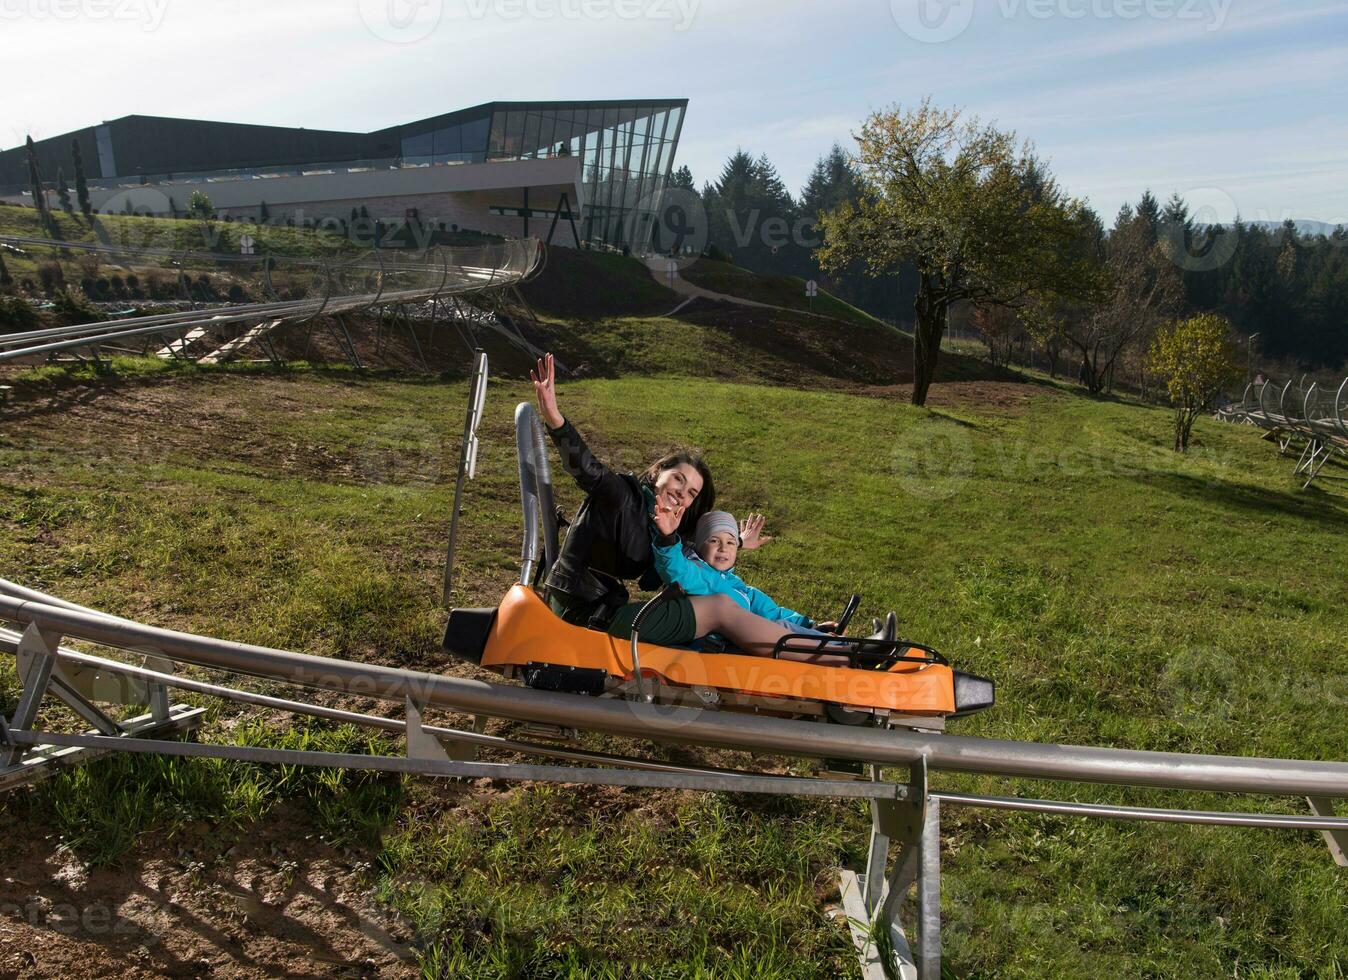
{"x":469,"y":286}
{"x":1309,"y":415}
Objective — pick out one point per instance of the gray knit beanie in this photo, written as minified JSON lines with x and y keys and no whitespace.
{"x":714,"y":522}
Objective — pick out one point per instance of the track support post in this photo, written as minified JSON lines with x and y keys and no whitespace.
{"x":37,"y":652}
{"x":873,"y":900}
{"x":421,"y":744}
{"x":1337,"y":840}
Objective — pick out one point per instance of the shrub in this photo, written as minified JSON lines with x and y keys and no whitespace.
{"x":51,"y":277}
{"x":237,"y":294}
{"x":16,"y":315}
{"x":73,"y":309}
{"x":1197,"y":360}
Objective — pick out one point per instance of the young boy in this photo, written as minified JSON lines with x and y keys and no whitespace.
{"x":708,"y":568}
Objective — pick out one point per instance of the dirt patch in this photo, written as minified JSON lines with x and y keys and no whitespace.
{"x":160,"y":418}
{"x":274,"y":902}
{"x":1006,"y":397}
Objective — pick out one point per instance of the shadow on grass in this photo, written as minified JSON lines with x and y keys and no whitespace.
{"x":1316,"y":508}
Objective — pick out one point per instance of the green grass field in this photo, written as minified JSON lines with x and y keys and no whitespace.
{"x":1119,"y":594}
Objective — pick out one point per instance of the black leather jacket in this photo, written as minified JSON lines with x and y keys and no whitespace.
{"x":610,"y":538}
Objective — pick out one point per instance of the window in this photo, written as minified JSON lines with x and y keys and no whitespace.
{"x":514,"y":135}
{"x":417,"y":149}
{"x":474,"y":135}
{"x":530,"y":145}
{"x":107,"y":163}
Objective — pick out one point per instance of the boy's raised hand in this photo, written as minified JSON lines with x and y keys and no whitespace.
{"x":751,"y":533}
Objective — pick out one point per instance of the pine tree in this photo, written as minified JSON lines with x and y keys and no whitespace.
{"x":1149,"y":214}
{"x":832,"y":183}
{"x":63,"y":192}
{"x":35,"y":182}
{"x":81,"y":184}
{"x":682,"y":178}
{"x":749,"y":213}
{"x":264,"y":213}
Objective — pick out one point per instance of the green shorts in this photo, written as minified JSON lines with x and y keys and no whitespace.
{"x":670,"y":624}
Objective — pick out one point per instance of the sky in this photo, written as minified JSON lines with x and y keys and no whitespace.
{"x":1236,"y":104}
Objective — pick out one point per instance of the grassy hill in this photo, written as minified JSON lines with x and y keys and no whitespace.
{"x":787,"y":291}
{"x":1120,"y":595}
{"x":587,"y":285}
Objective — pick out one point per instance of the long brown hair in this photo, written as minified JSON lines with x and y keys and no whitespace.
{"x":706,"y":497}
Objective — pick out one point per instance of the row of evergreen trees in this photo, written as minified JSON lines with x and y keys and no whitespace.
{"x":1290,"y":288}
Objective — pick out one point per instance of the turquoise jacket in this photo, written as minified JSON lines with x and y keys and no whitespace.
{"x":696,"y":577}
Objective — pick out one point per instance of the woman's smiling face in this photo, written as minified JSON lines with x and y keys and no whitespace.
{"x":679,"y":485}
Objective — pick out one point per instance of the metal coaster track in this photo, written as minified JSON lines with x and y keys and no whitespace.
{"x":1311,"y":415}
{"x":337,"y":286}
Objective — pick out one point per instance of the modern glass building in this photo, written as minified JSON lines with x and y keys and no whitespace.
{"x":626,"y":152}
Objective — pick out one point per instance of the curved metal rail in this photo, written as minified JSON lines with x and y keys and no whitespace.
{"x":348,"y":285}
{"x":1297,"y":413}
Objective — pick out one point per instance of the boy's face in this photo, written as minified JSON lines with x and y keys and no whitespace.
{"x":719,"y":551}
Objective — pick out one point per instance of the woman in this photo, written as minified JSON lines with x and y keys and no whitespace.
{"x":609,"y":542}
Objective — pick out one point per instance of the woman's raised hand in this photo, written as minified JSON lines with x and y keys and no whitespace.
{"x":751,"y":533}
{"x":544,"y":377}
{"x":667,"y":516}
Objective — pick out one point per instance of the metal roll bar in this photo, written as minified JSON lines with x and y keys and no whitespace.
{"x":525,"y":420}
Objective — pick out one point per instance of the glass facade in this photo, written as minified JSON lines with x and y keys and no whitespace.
{"x":459,"y":142}
{"x":626,"y":152}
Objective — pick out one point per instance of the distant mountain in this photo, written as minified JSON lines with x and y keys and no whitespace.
{"x":1304,"y":225}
